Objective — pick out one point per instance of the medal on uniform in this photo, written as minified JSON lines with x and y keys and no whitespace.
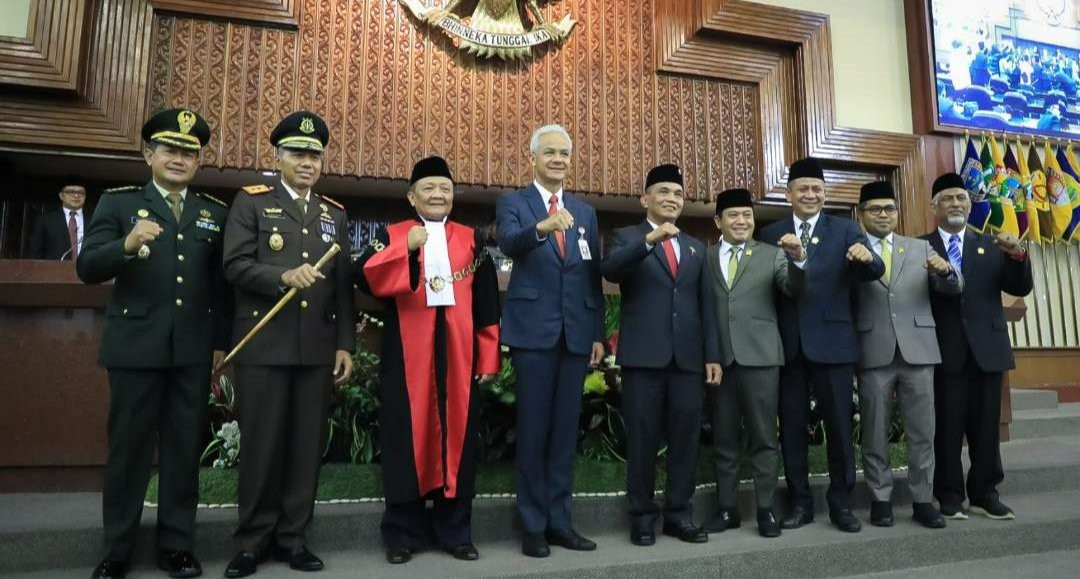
{"x":142,"y":213}
{"x":327,"y":238}
{"x":277,"y":242}
{"x":144,"y":252}
{"x":204,"y":214}
{"x":326,"y":224}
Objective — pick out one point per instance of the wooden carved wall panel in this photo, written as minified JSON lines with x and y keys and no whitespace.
{"x":786,"y":54}
{"x":109,"y":107}
{"x":50,"y":55}
{"x":270,"y":11}
{"x":393,"y":91}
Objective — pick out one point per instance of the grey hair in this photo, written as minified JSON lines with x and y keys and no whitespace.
{"x":534,"y":143}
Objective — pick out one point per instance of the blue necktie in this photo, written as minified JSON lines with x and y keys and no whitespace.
{"x":954,"y":252}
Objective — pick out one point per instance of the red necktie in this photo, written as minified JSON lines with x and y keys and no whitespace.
{"x":673,"y":262}
{"x":73,"y":235}
{"x":560,"y":237}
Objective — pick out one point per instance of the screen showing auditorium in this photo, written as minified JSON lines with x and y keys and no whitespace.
{"x":1008,"y":65}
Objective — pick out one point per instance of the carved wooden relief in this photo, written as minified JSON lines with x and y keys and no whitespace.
{"x":50,"y":55}
{"x":272,"y":11}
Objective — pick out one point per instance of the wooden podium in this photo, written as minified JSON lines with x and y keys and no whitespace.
{"x":53,"y":395}
{"x":1015,"y":308}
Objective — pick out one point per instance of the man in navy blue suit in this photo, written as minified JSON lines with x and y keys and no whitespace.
{"x":658,"y":269}
{"x":820,"y":347}
{"x":553,"y":324}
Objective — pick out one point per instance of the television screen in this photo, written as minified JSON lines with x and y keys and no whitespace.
{"x":1008,"y":65}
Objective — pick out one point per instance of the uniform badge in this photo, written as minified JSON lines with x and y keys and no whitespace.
{"x":814,"y":240}
{"x":273,"y":213}
{"x":307,"y":126}
{"x":144,"y":252}
{"x":142,"y":213}
{"x":186,"y":121}
{"x":277,"y":242}
{"x":327,"y":238}
{"x":327,"y":227}
{"x":204,"y":213}
{"x":324,"y":207}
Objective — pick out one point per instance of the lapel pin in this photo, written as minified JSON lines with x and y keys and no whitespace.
{"x":692,"y":250}
{"x":814,"y":240}
{"x":581,"y":231}
{"x":981,"y":251}
{"x":143,"y":213}
{"x":749,"y":252}
{"x":900,"y":250}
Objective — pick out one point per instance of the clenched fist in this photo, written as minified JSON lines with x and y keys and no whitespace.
{"x":793,"y":247}
{"x":561,"y":221}
{"x":936,"y":264}
{"x":859,"y":253}
{"x":417,"y":237}
{"x":144,"y":232}
{"x":1009,"y":244}
{"x":662,"y":233}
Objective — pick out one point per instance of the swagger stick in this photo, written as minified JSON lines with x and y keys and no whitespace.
{"x":330,"y":253}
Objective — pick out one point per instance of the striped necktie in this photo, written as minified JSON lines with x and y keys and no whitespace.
{"x":954,"y":252}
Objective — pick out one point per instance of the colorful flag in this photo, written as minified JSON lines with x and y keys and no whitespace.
{"x":1058,"y":194}
{"x":1031,"y":215}
{"x":1013,"y":191}
{"x":1000,"y":188}
{"x":1039,"y":198}
{"x":1072,"y":185}
{"x":974,"y":176}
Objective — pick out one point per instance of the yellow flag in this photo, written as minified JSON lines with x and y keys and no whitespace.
{"x":1027,"y":189}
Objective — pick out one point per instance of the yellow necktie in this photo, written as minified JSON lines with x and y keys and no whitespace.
{"x":886,"y":256}
{"x":733,"y":264}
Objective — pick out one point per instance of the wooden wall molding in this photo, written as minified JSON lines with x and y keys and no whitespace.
{"x":50,"y":54}
{"x":787,"y":54}
{"x":284,"y":12}
{"x":108,"y":110}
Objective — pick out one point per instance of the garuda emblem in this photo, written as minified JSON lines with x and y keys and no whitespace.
{"x":496,"y":28}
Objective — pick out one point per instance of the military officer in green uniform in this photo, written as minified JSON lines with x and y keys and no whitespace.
{"x":165,"y":323}
{"x":284,"y":374}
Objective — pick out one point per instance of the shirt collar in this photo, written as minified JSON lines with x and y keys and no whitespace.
{"x":945,"y":235}
{"x":725,"y":247}
{"x":877,"y":240}
{"x":292,"y":192}
{"x":812,"y":221}
{"x":545,"y":194}
{"x":164,"y":193}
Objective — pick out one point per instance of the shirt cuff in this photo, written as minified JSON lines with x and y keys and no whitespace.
{"x":799,"y":264}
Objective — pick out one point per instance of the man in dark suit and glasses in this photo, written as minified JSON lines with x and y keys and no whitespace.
{"x":553,"y":323}
{"x":820,"y":348}
{"x":58,"y":235}
{"x":658,"y":269}
{"x":975,"y":352}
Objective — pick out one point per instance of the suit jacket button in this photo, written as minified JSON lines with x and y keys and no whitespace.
{"x":179,"y":236}
{"x":179,"y":279}
{"x":255,"y":314}
{"x":304,"y":255}
{"x":179,"y":302}
{"x":304,"y":231}
{"x":124,"y":313}
{"x":180,"y":257}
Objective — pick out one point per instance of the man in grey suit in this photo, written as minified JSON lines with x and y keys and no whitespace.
{"x":743,"y":352}
{"x":898,"y":351}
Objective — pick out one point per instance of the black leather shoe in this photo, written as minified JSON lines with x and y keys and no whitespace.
{"x":992,"y":508}
{"x":686,"y":532}
{"x":798,"y":517}
{"x":881,"y":514}
{"x":767,"y":525}
{"x":299,"y":560}
{"x":845,"y":520}
{"x":643,"y":537}
{"x":535,"y":545}
{"x":243,"y":564}
{"x":179,"y":564}
{"x":722,"y":520}
{"x":569,"y":539}
{"x":466,"y":552}
{"x":926,"y":515}
{"x":110,"y":570}
{"x":398,"y":555}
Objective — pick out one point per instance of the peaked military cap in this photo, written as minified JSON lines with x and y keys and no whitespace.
{"x":182,"y":128}
{"x":302,"y":130}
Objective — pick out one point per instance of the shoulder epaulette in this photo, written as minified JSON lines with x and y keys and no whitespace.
{"x":213,"y":199}
{"x":256,"y":189}
{"x":124,"y":189}
{"x":332,"y":202}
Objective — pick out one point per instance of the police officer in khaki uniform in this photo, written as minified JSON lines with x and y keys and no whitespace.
{"x":273,"y":240}
{"x":164,"y":322}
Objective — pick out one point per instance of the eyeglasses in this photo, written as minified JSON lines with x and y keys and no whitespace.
{"x":876,"y":210}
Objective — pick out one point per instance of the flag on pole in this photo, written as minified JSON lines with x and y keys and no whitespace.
{"x":1072,"y":186}
{"x":999,"y":191}
{"x":1058,"y":194}
{"x":1031,"y":215}
{"x":972,"y":173}
{"x":1039,"y":195}
{"x":1013,"y":191}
